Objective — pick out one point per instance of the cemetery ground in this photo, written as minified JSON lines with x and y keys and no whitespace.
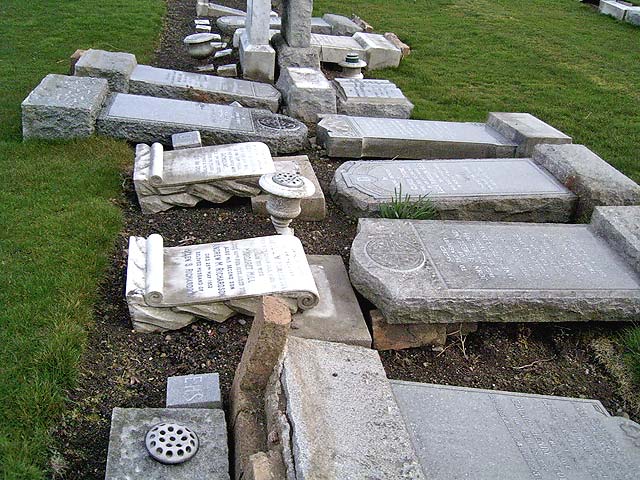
{"x":68,"y":209}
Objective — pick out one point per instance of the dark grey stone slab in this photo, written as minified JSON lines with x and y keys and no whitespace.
{"x":448,"y":271}
{"x":115,"y":67}
{"x":129,"y":459}
{"x":345,"y":423}
{"x":145,"y":119}
{"x":526,"y":131}
{"x":356,"y":137}
{"x":62,"y":107}
{"x":588,"y":176}
{"x":466,"y":433}
{"x":509,"y":189}
{"x":194,"y":391}
{"x":337,"y":317}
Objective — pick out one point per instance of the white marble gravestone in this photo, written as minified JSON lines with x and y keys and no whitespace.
{"x":257,"y":57}
{"x":509,"y":189}
{"x":182,"y":178}
{"x":168,"y":288}
{"x":450,"y":271}
{"x":334,"y":49}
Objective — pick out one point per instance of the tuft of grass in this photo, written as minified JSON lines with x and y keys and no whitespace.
{"x":58,"y":218}
{"x":407,"y":207}
{"x":630,"y":340}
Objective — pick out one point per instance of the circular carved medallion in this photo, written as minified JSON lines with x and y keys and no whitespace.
{"x":278,"y":123}
{"x":395,"y":254}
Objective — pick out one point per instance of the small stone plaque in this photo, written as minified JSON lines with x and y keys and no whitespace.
{"x":486,"y":435}
{"x":186,"y":140}
{"x":361,"y":89}
{"x":194,"y":391}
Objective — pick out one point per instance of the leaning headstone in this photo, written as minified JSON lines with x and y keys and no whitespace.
{"x":486,"y":434}
{"x":125,"y":76}
{"x":380,"y":52}
{"x":184,"y":177}
{"x":62,"y":107}
{"x":306,"y":93}
{"x":356,"y":137}
{"x":129,"y":458}
{"x":525,"y":130}
{"x":593,"y":180}
{"x":194,"y":391}
{"x":138,"y":118}
{"x":343,"y":415}
{"x":341,"y":25}
{"x":371,"y":98}
{"x":186,"y":140}
{"x":313,"y":208}
{"x":509,"y":189}
{"x":167,"y":288}
{"x":334,"y":49}
{"x":444,"y":272}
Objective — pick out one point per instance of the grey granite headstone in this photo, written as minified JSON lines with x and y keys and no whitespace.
{"x":525,"y":130}
{"x":115,"y":67}
{"x":356,"y":137}
{"x":448,"y":271}
{"x":371,"y":98}
{"x":466,"y":433}
{"x":619,"y":225}
{"x":62,"y":107}
{"x":334,"y":49}
{"x":194,"y":391}
{"x":129,"y":459}
{"x":510,"y":189}
{"x":186,"y":140}
{"x":307,"y":93}
{"x":588,"y":176}
{"x":145,"y":119}
{"x":345,"y":423}
{"x":296,"y":22}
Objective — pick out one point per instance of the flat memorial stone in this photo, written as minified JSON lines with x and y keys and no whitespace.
{"x":194,"y":391}
{"x":63,"y":107}
{"x":357,"y":137}
{"x":463,"y":433}
{"x":371,"y":98}
{"x":448,"y":271}
{"x":186,"y":140}
{"x":129,"y":459}
{"x":167,"y":288}
{"x":509,"y":189}
{"x":166,"y":179}
{"x":526,"y":131}
{"x":145,"y":119}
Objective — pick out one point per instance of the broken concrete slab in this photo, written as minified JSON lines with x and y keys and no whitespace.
{"x":62,"y":107}
{"x":129,"y":458}
{"x":525,"y":130}
{"x":337,"y":317}
{"x":314,"y":207}
{"x":488,"y":434}
{"x":448,"y":271}
{"x":143,"y":119}
{"x":342,"y":414}
{"x":509,"y":189}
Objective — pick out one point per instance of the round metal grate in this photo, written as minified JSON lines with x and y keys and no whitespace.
{"x":288,"y":179}
{"x":278,"y":123}
{"x":171,"y":443}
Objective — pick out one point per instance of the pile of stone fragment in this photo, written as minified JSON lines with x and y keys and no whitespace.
{"x":310,"y":398}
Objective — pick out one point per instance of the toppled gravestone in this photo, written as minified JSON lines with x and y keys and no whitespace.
{"x":446,"y":272}
{"x":371,"y":98}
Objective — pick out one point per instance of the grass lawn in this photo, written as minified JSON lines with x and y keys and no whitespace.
{"x":57,"y":221}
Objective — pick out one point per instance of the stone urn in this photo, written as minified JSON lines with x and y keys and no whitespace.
{"x":352,"y":66}
{"x":286,"y":190}
{"x":201,"y":45}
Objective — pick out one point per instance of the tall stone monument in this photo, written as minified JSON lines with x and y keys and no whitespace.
{"x":257,"y":57}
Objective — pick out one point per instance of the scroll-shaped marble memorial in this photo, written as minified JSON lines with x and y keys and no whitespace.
{"x":182,"y":178}
{"x":144,"y":119}
{"x":503,"y":189}
{"x":125,"y":76}
{"x":504,"y":135}
{"x":449,"y":271}
{"x":169,"y":287}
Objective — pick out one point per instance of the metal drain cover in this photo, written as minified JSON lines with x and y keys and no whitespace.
{"x":171,"y":443}
{"x":288,"y":179}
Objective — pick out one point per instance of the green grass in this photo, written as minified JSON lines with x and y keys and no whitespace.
{"x":408,"y":207}
{"x":631,"y":343}
{"x":57,"y":220}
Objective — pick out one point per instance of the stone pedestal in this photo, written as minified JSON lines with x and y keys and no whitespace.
{"x":257,"y":58}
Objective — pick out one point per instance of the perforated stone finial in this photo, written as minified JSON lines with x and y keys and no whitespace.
{"x":171,"y":443}
{"x":285,"y":190}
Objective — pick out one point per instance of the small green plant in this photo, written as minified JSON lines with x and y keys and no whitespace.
{"x":631,"y":342}
{"x":416,"y":208}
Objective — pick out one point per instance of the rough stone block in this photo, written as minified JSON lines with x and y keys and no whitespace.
{"x":389,"y":336}
{"x":194,"y":391}
{"x":341,"y":25}
{"x":593,"y":180}
{"x":306,"y":93}
{"x":525,"y":130}
{"x":313,"y":207}
{"x":337,"y":318}
{"x":186,"y":140}
{"x":62,"y":107}
{"x":129,"y":459}
{"x":380,"y":52}
{"x":115,"y":67}
{"x":229,"y":70}
{"x":371,"y":98}
{"x":307,"y":57}
{"x":393,"y":38}
{"x":343,"y":415}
